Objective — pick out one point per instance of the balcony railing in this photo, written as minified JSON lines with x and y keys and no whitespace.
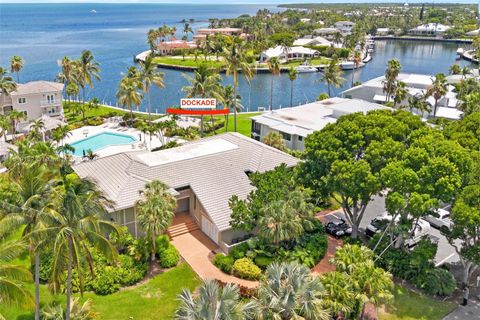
{"x":49,"y":103}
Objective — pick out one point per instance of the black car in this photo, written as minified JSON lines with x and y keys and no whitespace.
{"x":338,"y":228}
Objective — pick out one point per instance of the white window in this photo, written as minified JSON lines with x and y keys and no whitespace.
{"x":50,"y":98}
{"x":22,"y":100}
{"x":286,"y":136}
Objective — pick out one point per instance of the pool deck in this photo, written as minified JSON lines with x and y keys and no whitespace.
{"x":141,"y":143}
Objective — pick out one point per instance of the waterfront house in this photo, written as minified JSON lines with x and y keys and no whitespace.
{"x":345,"y":27}
{"x":286,"y":54}
{"x":473,"y":33}
{"x":429,"y":29}
{"x":202,"y":33}
{"x":416,"y":85}
{"x":35,"y":99}
{"x":203,"y":174}
{"x":327,"y":33}
{"x":296,"y":123}
{"x":382,"y":31}
{"x":312,"y":41}
{"x":167,"y":47}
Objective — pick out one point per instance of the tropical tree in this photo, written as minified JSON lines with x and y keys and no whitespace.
{"x":274,"y":67}
{"x":230,"y":101}
{"x":391,"y":75}
{"x":16,"y":116}
{"x":211,"y":303}
{"x":234,"y":57}
{"x":418,"y":102}
{"x":5,"y":126}
{"x":76,"y":226}
{"x":16,"y":65}
{"x":7,"y":84}
{"x":275,"y":139}
{"x":292,"y":75}
{"x":149,"y":75}
{"x":455,"y":69}
{"x":155,"y":210}
{"x":88,"y":70}
{"x":186,"y":30}
{"x":37,"y":130}
{"x":60,"y":133}
{"x":332,"y":75}
{"x":289,"y":291}
{"x":470,"y":104}
{"x":400,"y":93}
{"x":129,"y":93}
{"x":438,"y":89}
{"x":357,"y":60}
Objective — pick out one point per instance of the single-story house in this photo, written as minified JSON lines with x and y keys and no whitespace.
{"x":296,"y":123}
{"x":203,"y":174}
{"x":292,"y":53}
{"x":345,"y":27}
{"x":382,"y":31}
{"x":166,"y":47}
{"x":435,"y":29}
{"x":328,"y":33}
{"x":315,"y":41}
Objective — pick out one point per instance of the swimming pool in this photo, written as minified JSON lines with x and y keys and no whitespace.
{"x":99,"y":141}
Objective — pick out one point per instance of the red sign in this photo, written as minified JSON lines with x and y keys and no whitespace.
{"x":197,"y":112}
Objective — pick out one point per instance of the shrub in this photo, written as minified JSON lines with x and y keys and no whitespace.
{"x":239,"y":251}
{"x":140,"y":249}
{"x":246,"y":269}
{"x":169,"y":257}
{"x":131,"y":270}
{"x":106,"y":282}
{"x":223,"y":262}
{"x":437,"y":282}
{"x":162,"y":242}
{"x":263,"y":261}
{"x":46,"y":261}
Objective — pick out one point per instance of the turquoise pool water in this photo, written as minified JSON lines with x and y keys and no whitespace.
{"x":99,"y":141}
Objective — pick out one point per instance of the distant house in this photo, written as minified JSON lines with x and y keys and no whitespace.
{"x":203,"y":175}
{"x":312,"y":41}
{"x":202,"y":33}
{"x":345,"y":27}
{"x":328,"y":33}
{"x":305,"y":20}
{"x":292,"y":53}
{"x":473,"y":33}
{"x":432,"y":29}
{"x":166,"y":47}
{"x":382,"y":31}
{"x":35,"y":99}
{"x":296,"y":123}
{"x":416,"y":85}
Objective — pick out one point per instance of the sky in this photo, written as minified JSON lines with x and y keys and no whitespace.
{"x":236,"y":1}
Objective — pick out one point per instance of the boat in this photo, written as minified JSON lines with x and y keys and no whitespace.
{"x":347,"y":65}
{"x":93,"y":11}
{"x":460,"y":52}
{"x":306,"y":68}
{"x":367,"y":58}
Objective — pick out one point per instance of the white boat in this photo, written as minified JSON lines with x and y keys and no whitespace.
{"x":370,"y":50}
{"x":347,"y":65}
{"x":367,"y":58}
{"x":93,"y":11}
{"x":460,"y":52}
{"x":306,"y":68}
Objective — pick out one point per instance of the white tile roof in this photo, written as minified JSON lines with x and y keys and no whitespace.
{"x":431,"y":27}
{"x":213,"y":176}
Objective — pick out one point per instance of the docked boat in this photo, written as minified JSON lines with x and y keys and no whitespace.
{"x":347,"y":65}
{"x":306,"y":68}
{"x":367,"y":58}
{"x":370,"y":50}
{"x":460,"y":52}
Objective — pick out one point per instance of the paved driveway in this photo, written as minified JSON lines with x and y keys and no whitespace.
{"x":470,"y":312}
{"x":195,"y":248}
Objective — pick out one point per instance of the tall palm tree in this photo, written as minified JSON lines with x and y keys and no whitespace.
{"x":292,"y":75}
{"x":230,"y":101}
{"x":419,"y":103}
{"x":76,"y":207}
{"x":391,"y":75}
{"x":33,"y":188}
{"x":7,"y":84}
{"x":438,"y":89}
{"x":60,"y":133}
{"x":455,"y":69}
{"x":332,"y":75}
{"x":465,"y":72}
{"x":274,"y":67}
{"x":357,"y":60}
{"x":155,"y":210}
{"x":400,"y":93}
{"x":16,"y":116}
{"x":235,"y":59}
{"x":88,"y":70}
{"x":149,"y":75}
{"x":129,"y":93}
{"x":211,"y":303}
{"x":289,"y":291}
{"x":152,"y":37}
{"x":12,"y":277}
{"x":205,"y":83}
{"x":5,"y":126}
{"x":37,"y":130}
{"x":186,"y":30}
{"x":16,"y":65}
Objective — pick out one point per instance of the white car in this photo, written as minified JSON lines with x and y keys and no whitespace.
{"x":421,"y":229}
{"x":440,"y":219}
{"x":379,"y":223}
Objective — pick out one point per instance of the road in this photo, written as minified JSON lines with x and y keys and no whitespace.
{"x":445,"y":253}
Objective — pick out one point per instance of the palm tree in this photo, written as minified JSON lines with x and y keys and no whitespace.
{"x":5,"y":126}
{"x":274,"y":68}
{"x":289,"y":291}
{"x":205,"y":83}
{"x":236,"y":61}
{"x":128,"y":93}
{"x":76,"y":226}
{"x":391,"y":74}
{"x":332,"y":75}
{"x":470,"y":104}
{"x":339,"y":295}
{"x":186,"y":30}
{"x":16,"y":65}
{"x":149,"y":75}
{"x":33,"y":188}
{"x":155,"y":211}
{"x":292,"y":75}
{"x":211,"y":303}
{"x":275,"y":140}
{"x":37,"y":129}
{"x":60,"y":133}
{"x":230,"y":101}
{"x":152,"y":37}
{"x":419,"y":103}
{"x":337,"y":38}
{"x":357,"y":60}
{"x":465,"y":72}
{"x":455,"y":69}
{"x":7,"y":85}
{"x":438,"y":90}
{"x":12,"y":289}
{"x":88,"y":70}
{"x":16,"y":116}
{"x":400,"y":93}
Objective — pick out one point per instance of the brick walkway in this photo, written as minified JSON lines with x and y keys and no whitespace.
{"x":195,"y":248}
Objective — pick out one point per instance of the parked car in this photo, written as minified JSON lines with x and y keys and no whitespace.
{"x":338,"y":228}
{"x":421,"y":230}
{"x":378,"y":224}
{"x":440,"y":219}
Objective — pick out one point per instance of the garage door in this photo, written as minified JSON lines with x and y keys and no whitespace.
{"x":183,"y":205}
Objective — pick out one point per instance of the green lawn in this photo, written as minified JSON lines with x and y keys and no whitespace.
{"x":189,"y":61}
{"x":156,"y":299}
{"x":412,"y":306}
{"x":244,"y":124}
{"x":316,"y":61}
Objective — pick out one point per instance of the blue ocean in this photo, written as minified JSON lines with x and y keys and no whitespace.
{"x":44,"y":33}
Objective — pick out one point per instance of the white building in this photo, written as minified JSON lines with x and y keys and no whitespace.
{"x":345,"y":27}
{"x":473,"y":33}
{"x":313,"y":41}
{"x":416,"y":84}
{"x":296,"y":123}
{"x":433,"y":29}
{"x":328,"y":33}
{"x":291,"y":53}
{"x":35,"y":99}
{"x":382,"y":31}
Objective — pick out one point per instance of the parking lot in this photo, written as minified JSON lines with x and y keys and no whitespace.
{"x":445,"y":253}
